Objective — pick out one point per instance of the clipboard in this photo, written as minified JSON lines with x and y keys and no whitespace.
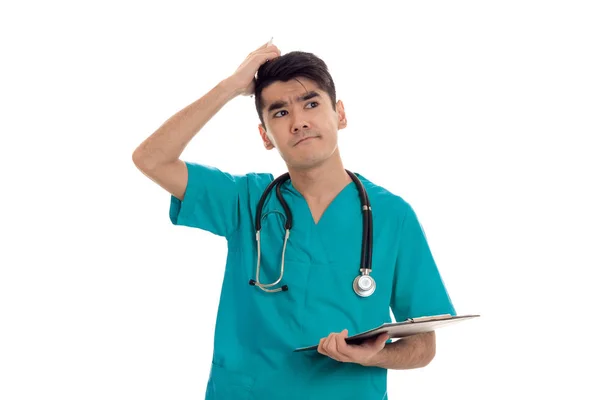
{"x":398,"y":330}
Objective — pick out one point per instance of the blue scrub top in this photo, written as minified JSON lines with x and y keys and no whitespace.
{"x":256,"y":332}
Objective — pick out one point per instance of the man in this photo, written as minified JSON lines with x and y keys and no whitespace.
{"x":283,"y":292}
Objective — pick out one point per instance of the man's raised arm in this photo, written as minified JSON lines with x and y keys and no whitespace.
{"x":158,"y":156}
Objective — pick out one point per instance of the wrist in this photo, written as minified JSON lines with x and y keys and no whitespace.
{"x":378,"y":359}
{"x":227,"y":86}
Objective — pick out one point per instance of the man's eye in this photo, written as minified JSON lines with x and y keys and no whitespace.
{"x":313,"y":102}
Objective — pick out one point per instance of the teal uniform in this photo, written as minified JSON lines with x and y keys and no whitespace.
{"x":256,"y":332}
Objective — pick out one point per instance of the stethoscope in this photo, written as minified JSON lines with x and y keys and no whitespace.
{"x":363,"y":284}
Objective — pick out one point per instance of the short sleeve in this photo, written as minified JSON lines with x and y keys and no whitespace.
{"x":418,"y":286}
{"x":210,"y":201}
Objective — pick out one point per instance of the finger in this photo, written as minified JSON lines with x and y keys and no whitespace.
{"x":272,"y":55}
{"x":320,"y":347}
{"x":327,"y":343}
{"x":383,"y":339}
{"x":270,"y":48}
{"x":331,"y":348}
{"x":265,"y":50}
{"x":261,"y":59}
{"x":342,"y":349}
{"x":339,"y":348}
{"x":265,"y":47}
{"x":341,"y":345}
{"x":323,"y":347}
{"x":330,"y":345}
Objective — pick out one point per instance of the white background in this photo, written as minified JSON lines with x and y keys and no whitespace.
{"x":483,"y":115}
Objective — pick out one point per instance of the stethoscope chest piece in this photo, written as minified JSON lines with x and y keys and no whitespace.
{"x":364,"y":285}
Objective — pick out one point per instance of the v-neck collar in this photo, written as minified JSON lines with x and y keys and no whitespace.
{"x":341,"y":214}
{"x":329,"y":210}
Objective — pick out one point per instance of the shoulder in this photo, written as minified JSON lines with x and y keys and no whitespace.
{"x":214,"y":177}
{"x":385,"y":201}
{"x":251,"y":179}
{"x":251,"y":185}
{"x":259,"y":179}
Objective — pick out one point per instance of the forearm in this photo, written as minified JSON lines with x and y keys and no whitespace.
{"x":167,"y":143}
{"x":412,"y":352}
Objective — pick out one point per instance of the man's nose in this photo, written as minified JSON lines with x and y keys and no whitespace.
{"x":300,"y":126}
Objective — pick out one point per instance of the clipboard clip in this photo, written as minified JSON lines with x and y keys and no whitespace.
{"x":431,"y":318}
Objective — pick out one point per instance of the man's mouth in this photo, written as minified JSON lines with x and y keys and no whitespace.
{"x":305,"y":139}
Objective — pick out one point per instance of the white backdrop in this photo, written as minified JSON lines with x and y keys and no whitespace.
{"x":483,"y":115}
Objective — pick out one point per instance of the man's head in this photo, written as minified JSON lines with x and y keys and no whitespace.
{"x":296,"y":103}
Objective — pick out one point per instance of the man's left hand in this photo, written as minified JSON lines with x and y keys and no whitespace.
{"x":365,"y":354}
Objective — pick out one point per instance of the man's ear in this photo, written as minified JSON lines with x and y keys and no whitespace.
{"x":342,"y":122}
{"x":266,"y":141}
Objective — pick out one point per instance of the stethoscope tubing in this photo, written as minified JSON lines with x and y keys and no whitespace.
{"x":367,"y":234}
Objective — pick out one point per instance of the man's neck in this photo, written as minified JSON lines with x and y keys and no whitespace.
{"x":321,"y":183}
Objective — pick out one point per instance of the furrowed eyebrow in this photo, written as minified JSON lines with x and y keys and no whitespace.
{"x":280,"y":104}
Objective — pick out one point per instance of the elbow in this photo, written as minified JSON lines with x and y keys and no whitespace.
{"x":141,"y":160}
{"x":136,"y":157}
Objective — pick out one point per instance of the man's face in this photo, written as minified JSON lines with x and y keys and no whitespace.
{"x":300,"y":122}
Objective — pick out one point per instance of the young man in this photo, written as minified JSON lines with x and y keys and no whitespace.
{"x":282,"y":292}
